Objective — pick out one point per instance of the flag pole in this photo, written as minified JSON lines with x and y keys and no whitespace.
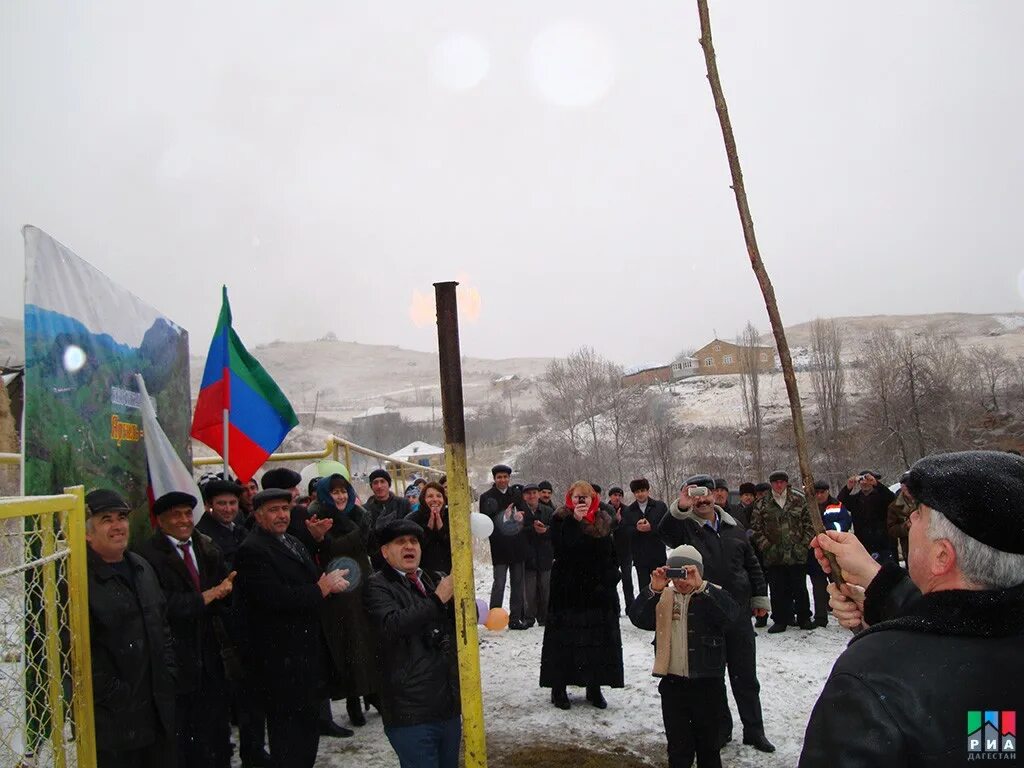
{"x":224,"y":451}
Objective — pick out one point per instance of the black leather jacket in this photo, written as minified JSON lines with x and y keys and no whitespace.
{"x":418,"y":665}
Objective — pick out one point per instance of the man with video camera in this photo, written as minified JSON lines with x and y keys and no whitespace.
{"x":729,"y":561}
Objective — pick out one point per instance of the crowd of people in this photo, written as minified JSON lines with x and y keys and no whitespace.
{"x":282,"y":599}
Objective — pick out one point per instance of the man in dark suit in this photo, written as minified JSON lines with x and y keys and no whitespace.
{"x":194,"y":581}
{"x":220,"y":523}
{"x":281,"y":591}
{"x":641,"y":519}
{"x":192,"y":574}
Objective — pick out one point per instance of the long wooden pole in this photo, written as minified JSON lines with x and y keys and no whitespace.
{"x":747,"y":222}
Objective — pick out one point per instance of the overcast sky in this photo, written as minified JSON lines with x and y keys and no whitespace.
{"x":328,"y":160}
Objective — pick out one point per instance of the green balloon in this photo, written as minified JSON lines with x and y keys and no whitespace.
{"x":328,"y":467}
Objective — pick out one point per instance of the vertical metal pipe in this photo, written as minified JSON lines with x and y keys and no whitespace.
{"x":78,"y":610}
{"x":459,"y":501}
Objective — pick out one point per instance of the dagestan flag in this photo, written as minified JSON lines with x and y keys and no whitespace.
{"x":258,"y":414}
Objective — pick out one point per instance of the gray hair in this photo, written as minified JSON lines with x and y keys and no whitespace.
{"x":980,"y":564}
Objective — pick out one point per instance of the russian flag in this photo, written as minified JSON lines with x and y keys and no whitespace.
{"x":259,"y":415}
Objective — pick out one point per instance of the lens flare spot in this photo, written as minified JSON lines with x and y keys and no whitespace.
{"x":74,"y":358}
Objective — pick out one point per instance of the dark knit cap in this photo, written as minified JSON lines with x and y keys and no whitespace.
{"x":380,"y":473}
{"x":271,"y":494}
{"x":221,"y":488}
{"x":497,"y":468}
{"x":747,"y":488}
{"x":281,"y":477}
{"x":640,"y":484}
{"x":596,"y":487}
{"x":396,"y":528}
{"x":615,"y":489}
{"x":778,"y":474}
{"x":103,"y":500}
{"x":980,"y":492}
{"x":545,"y":485}
{"x":173,"y":499}
{"x":721,"y":484}
{"x":762,"y":488}
{"x":822,"y":485}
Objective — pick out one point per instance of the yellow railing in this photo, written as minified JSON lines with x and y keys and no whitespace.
{"x":44,"y":614}
{"x":336,"y":448}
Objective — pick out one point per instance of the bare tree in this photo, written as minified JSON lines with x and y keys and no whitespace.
{"x":590,"y":372}
{"x":661,"y":434}
{"x":560,"y":400}
{"x":750,"y":389}
{"x":623,"y":412}
{"x":993,"y":367}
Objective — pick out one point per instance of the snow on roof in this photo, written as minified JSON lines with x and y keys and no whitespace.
{"x":417,"y":449}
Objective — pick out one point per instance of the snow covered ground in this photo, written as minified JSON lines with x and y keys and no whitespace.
{"x":792,"y":667}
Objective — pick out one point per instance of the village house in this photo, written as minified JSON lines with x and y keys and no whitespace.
{"x":719,"y":357}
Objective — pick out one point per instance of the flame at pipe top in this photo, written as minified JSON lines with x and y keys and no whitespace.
{"x":422,"y":310}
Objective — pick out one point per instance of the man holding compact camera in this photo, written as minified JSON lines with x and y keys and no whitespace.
{"x":689,"y":615}
{"x":728,"y":559}
{"x":868,"y":501}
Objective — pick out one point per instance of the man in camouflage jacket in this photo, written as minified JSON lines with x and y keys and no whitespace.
{"x":782,"y":528}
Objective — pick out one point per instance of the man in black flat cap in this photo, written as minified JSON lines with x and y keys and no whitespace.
{"x":220,"y":523}
{"x":508,"y":545}
{"x":943,"y":643}
{"x":281,"y":591}
{"x":415,"y":620}
{"x":133,"y":663}
{"x":194,"y":580}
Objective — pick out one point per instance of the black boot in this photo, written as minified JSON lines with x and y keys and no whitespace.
{"x":761,"y":621}
{"x":560,"y":698}
{"x":595,"y":697}
{"x":776,"y":627}
{"x":355,"y":711}
{"x":333,"y":730}
{"x":758,"y":741}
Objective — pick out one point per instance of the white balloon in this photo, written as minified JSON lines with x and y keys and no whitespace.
{"x":308,"y":473}
{"x":481,"y":525}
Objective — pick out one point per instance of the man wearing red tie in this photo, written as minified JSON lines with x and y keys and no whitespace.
{"x":194,"y":581}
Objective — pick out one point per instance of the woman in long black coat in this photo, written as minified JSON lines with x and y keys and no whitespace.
{"x":582,"y":643}
{"x":350,"y":636}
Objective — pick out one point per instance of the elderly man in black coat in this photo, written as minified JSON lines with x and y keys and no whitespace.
{"x":282,"y":593}
{"x":413,"y":613}
{"x":943,"y":645}
{"x":729,"y":561}
{"x":194,"y":580}
{"x":133,"y":664}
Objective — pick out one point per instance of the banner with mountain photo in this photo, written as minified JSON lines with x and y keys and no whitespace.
{"x":85,"y":339}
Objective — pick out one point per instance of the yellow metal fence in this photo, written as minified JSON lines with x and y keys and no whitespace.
{"x":46,"y":716}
